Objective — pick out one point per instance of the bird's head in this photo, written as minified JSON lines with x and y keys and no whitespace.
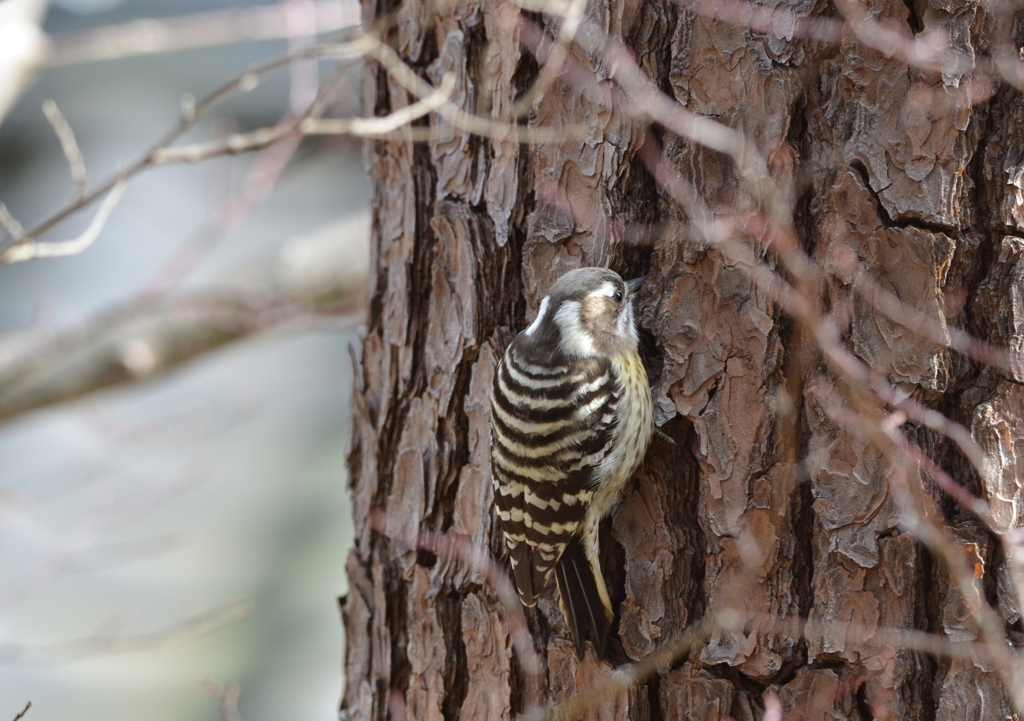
{"x":588,"y":312}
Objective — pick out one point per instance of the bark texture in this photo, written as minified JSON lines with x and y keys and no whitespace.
{"x":767,"y":506}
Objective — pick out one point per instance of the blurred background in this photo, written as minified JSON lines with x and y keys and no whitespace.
{"x":172,"y":545}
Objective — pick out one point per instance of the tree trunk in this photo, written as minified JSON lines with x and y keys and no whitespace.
{"x":773,"y":523}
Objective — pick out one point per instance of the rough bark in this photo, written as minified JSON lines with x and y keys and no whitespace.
{"x":766,"y":506}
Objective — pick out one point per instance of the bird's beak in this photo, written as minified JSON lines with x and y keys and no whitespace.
{"x":632,"y":285}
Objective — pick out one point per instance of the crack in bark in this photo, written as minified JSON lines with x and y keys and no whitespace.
{"x":653,"y":687}
{"x":915,"y":21}
{"x":862,"y":705}
{"x":888,"y":221}
{"x":396,"y":590}
{"x":456,"y":668}
{"x":387,"y":440}
{"x":685,"y":496}
{"x":424,"y":256}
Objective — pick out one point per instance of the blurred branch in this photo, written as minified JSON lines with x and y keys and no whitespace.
{"x":323,"y":274}
{"x":28,"y":705}
{"x":187,"y":629}
{"x":258,"y":183}
{"x":308,"y":123}
{"x":226,"y":698}
{"x":76,"y":163}
{"x":28,"y":249}
{"x":572,"y":13}
{"x":10,"y":224}
{"x":458,"y":117}
{"x":208,"y":29}
{"x":190,"y":113}
{"x":261,"y":138}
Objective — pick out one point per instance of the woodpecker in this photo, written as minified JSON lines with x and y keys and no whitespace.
{"x":571,"y":419}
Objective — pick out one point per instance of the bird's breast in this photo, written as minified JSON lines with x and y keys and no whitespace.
{"x":632,"y":436}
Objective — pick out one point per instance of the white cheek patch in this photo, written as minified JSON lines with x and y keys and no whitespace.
{"x":574,"y":340}
{"x":627,"y":327}
{"x":543,"y":311}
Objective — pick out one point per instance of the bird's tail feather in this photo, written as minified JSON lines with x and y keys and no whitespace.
{"x":521,"y":557}
{"x":582,"y":602}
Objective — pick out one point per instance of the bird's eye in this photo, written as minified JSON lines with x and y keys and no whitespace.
{"x":618,"y":296}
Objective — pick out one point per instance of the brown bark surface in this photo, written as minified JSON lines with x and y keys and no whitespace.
{"x":768,"y":506}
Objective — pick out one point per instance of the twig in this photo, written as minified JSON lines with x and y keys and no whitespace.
{"x":498,"y":131}
{"x":914,"y":320}
{"x":28,"y":248}
{"x":644,"y":97}
{"x":356,"y":127}
{"x":625,"y":676}
{"x":191,"y":113}
{"x":28,"y":705}
{"x":929,"y":51}
{"x":76,"y":162}
{"x":10,"y":224}
{"x":921,"y":518}
{"x":803,"y":305}
{"x":430,"y":100}
{"x":378,"y":127}
{"x":258,"y":183}
{"x":632,"y":674}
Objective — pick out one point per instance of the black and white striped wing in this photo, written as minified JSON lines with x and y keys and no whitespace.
{"x":551,"y":425}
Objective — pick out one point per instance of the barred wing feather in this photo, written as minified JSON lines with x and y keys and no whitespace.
{"x":551,"y":427}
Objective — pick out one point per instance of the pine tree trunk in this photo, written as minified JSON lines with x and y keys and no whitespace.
{"x":768,"y":506}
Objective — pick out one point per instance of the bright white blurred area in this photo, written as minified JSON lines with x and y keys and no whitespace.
{"x":188,"y":532}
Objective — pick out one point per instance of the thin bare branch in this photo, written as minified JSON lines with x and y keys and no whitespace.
{"x":930,"y":50}
{"x":911,"y":318}
{"x":624,"y":677}
{"x":69,"y":145}
{"x":163,"y":152}
{"x":495,"y":130}
{"x":922,"y":518}
{"x":10,"y":224}
{"x":644,"y":97}
{"x":861,"y":389}
{"x":29,"y":248}
{"x":263,"y":137}
{"x":191,"y":113}
{"x":21,"y":714}
{"x":377,"y":127}
{"x":572,"y":14}
{"x":144,"y":338}
{"x":231,"y":145}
